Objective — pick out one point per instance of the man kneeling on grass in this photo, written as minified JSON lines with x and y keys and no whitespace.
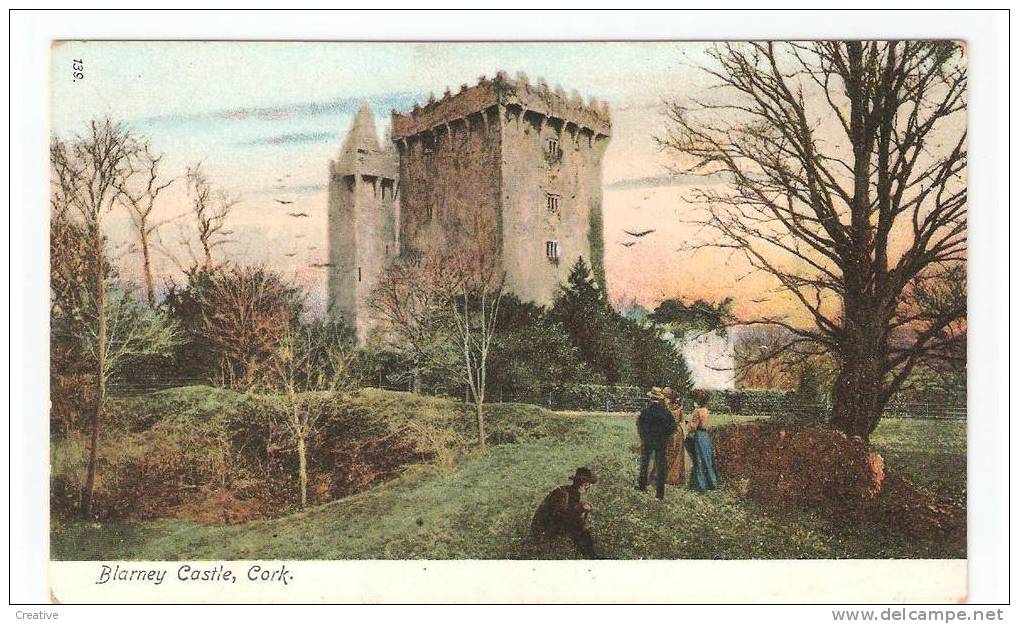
{"x":563,"y":513}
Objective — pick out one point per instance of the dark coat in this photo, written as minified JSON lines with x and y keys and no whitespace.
{"x":561,"y":513}
{"x":655,"y":425}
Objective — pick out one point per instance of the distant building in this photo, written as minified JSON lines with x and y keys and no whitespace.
{"x":709,"y":355}
{"x":526,"y":157}
{"x":711,"y":358}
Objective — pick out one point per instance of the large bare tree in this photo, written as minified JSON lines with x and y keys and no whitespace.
{"x":838,"y":170}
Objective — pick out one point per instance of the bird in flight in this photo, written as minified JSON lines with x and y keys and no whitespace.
{"x":639,"y":234}
{"x":628,"y":244}
{"x":298,"y":214}
{"x":284,"y":201}
{"x":324,"y":264}
{"x":290,"y":255}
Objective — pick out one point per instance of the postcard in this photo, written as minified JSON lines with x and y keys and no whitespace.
{"x":510,"y":321}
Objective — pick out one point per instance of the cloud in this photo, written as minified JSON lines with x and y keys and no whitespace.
{"x":292,"y":138}
{"x":294,"y":110}
{"x":665,"y":180}
{"x":297,"y":189}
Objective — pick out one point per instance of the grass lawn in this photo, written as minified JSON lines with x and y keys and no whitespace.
{"x":482,"y":510}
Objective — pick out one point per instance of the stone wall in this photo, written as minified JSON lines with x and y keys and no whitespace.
{"x":570,"y":172}
{"x":448,"y":177}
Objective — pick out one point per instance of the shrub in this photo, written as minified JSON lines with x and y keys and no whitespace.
{"x":821,"y":470}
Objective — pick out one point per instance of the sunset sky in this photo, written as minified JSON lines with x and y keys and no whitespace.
{"x":265,"y":118}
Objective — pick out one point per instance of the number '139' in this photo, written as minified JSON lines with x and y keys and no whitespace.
{"x":78,"y":67}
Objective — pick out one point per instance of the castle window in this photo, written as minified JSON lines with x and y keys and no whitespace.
{"x":359,"y":274}
{"x":552,"y":250}
{"x":552,"y":203}
{"x":552,"y":152}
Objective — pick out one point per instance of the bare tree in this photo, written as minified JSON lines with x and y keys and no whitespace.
{"x":138,"y":192}
{"x":477,"y":289}
{"x":86,"y":173}
{"x":210,"y":208}
{"x":411,"y":300}
{"x":843,"y":179}
{"x":306,"y":371}
{"x":246,"y":312}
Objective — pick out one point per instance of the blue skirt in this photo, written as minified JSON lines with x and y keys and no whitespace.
{"x":702,"y":472}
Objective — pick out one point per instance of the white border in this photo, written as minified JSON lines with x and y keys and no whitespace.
{"x":987,"y":38}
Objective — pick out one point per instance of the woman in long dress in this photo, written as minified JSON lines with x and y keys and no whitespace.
{"x":703,"y":476}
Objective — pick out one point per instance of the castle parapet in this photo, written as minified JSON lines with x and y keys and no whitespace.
{"x":504,"y":91}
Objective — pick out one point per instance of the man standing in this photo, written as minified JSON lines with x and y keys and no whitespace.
{"x":655,"y":426}
{"x":563,"y":513}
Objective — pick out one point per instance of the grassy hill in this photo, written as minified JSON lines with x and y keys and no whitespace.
{"x":481,"y":508}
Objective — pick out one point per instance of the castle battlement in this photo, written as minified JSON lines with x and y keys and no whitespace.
{"x":502,"y":90}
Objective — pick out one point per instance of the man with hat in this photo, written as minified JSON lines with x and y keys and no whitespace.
{"x":563,"y":513}
{"x":655,"y":426}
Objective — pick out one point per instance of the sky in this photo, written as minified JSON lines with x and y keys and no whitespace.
{"x":265,"y":118}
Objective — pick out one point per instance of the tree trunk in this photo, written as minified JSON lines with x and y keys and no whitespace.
{"x":150,"y":289}
{"x":88,"y":491}
{"x":302,"y":463}
{"x":856,"y":395}
{"x":479,"y":408}
{"x":208,"y":253}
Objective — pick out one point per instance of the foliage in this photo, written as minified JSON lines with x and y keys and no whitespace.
{"x":411,"y":300}
{"x":134,"y":331}
{"x":532,"y":352}
{"x":810,"y":397}
{"x":618,"y":349}
{"x":700,"y":315}
{"x":307,"y":359}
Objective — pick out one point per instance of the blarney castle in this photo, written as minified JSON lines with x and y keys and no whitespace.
{"x":525,"y":156}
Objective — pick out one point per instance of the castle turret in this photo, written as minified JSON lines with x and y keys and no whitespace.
{"x":363,"y":203}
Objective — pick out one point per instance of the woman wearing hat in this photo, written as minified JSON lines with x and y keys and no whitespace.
{"x":563,"y":513}
{"x":703,"y":476}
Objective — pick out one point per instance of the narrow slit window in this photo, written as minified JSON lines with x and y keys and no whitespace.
{"x":552,"y":250}
{"x":552,"y":203}
{"x":552,"y":147}
{"x":359,"y":274}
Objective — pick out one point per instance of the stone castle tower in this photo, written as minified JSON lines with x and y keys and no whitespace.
{"x":363,"y":210}
{"x":522,"y":157}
